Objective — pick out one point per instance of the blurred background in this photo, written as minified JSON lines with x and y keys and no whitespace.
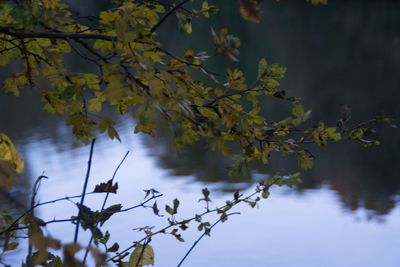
{"x":344,"y":213}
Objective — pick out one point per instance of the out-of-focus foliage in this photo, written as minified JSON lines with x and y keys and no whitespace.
{"x":11,"y":163}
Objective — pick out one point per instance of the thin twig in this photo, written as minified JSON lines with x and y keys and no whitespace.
{"x":58,"y":35}
{"x":169,"y":13}
{"x":141,"y":204}
{"x":25,"y":213}
{"x":205,"y":233}
{"x":104,"y":204}
{"x":162,"y":230}
{"x":84,"y":189}
{"x":46,"y":223}
{"x":146,"y":242}
{"x":31,"y":214}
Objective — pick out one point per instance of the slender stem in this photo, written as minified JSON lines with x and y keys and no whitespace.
{"x":45,"y":223}
{"x":162,"y":230}
{"x":11,"y":226}
{"x":205,"y":233}
{"x":146,"y":242}
{"x":103,"y":205}
{"x":35,"y":190}
{"x":169,"y":13}
{"x":57,"y":35}
{"x":84,"y":189}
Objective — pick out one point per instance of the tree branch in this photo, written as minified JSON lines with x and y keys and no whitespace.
{"x":169,"y":13}
{"x":58,"y":35}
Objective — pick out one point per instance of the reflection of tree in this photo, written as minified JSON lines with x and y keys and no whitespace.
{"x":343,"y":53}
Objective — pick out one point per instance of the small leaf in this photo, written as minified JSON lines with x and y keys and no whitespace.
{"x":106,"y":187}
{"x":262,"y":68}
{"x":169,"y":210}
{"x":305,"y":160}
{"x":265,"y":193}
{"x":10,"y":246}
{"x":298,"y":109}
{"x":156,"y":211}
{"x":108,"y":212}
{"x":105,"y":238}
{"x":113,"y":248}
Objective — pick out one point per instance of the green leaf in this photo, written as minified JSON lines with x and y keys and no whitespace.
{"x":298,"y":109}
{"x":262,"y":68}
{"x":107,"y":124}
{"x":184,"y":22}
{"x":113,"y":248}
{"x":265,"y":193}
{"x":105,"y":238}
{"x":305,"y":160}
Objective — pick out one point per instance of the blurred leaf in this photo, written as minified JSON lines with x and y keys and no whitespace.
{"x":318,"y":2}
{"x":69,"y":255}
{"x":250,"y":10}
{"x":113,"y":248}
{"x":11,"y":163}
{"x":141,"y":256}
{"x":10,"y":246}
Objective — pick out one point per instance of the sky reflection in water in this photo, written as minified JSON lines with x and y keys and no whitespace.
{"x":286,"y":230}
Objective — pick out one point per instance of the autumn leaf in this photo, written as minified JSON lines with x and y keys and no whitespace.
{"x":250,"y":10}
{"x":141,"y":256}
{"x":11,"y":163}
{"x":107,"y":187}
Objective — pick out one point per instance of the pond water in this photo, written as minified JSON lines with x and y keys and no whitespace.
{"x":346,"y":211}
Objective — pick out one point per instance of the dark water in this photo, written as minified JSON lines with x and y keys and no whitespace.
{"x":343,"y":214}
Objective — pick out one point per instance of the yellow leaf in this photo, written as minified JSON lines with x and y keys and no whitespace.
{"x":208,"y":113}
{"x":13,"y":84}
{"x":11,"y":163}
{"x":142,"y":256}
{"x":10,"y":246}
{"x":96,"y":103}
{"x":107,"y":17}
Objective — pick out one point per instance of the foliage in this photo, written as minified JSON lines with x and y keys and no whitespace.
{"x":135,"y":74}
{"x":11,"y":163}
